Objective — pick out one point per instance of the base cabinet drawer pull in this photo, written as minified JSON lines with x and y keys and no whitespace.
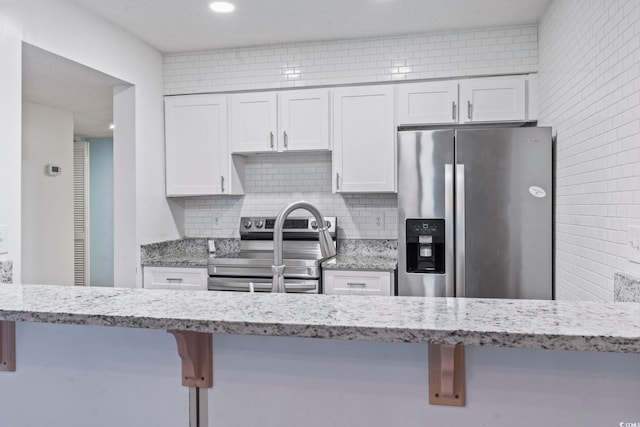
{"x":174,"y":279}
{"x":356,"y":284}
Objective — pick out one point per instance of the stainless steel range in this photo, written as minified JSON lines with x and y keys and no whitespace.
{"x":251,"y":267}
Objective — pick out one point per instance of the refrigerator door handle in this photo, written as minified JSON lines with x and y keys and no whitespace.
{"x":460,"y":232}
{"x":448,"y":232}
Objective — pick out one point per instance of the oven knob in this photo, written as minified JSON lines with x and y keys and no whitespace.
{"x":314,"y":225}
{"x":259,"y":224}
{"x":247,"y":224}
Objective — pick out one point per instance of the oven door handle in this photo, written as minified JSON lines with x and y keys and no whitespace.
{"x":298,"y":286}
{"x":259,"y":285}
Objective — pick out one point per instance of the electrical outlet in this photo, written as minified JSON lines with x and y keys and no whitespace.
{"x":378,"y":220}
{"x":4,"y":244}
{"x":216,"y":220}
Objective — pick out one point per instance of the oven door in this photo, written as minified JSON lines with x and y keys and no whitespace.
{"x":262,"y":284}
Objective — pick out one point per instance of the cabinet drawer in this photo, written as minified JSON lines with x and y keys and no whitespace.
{"x":175,"y":278}
{"x":338,"y":282}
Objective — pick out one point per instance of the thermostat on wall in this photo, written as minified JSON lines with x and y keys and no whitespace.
{"x":54,"y":170}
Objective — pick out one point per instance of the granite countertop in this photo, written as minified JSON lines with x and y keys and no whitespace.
{"x":585,"y":326}
{"x":361,"y":262}
{"x":187,"y":252}
{"x":626,"y":288}
{"x":364,"y":254}
{"x":353,"y":254}
{"x":178,"y":261}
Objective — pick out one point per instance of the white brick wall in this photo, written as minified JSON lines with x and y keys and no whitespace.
{"x":275,"y":180}
{"x":418,"y":56}
{"x":590,"y":94}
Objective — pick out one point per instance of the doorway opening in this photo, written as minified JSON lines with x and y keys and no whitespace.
{"x":68,"y":150}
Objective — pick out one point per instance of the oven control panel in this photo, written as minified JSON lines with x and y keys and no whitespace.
{"x":249,"y":225}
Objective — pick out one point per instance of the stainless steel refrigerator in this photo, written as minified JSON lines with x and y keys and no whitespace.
{"x":475,"y":213}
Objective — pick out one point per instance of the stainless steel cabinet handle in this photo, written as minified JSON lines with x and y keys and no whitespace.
{"x":453,"y":110}
{"x":460,"y":232}
{"x":271,"y":139}
{"x":174,"y":279}
{"x":356,"y":284}
{"x":222,"y":184}
{"x":337,"y":181}
{"x":286,"y":140}
{"x":469,"y":109}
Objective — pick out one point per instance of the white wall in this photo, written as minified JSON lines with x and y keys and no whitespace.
{"x":80,"y":376}
{"x":590,"y":94}
{"x":10,"y":136}
{"x":47,"y":201}
{"x":66,"y":30}
{"x":274,"y":181}
{"x":285,"y":382}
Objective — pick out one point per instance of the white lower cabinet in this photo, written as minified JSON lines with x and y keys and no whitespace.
{"x":185,"y":278}
{"x":356,"y":282}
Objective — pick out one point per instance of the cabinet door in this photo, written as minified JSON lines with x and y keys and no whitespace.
{"x":428,"y":103}
{"x":254,"y":122}
{"x":493,"y":99}
{"x":338,"y":282}
{"x":175,"y":278}
{"x":196,"y":147}
{"x":364,"y":155}
{"x":303,"y":120}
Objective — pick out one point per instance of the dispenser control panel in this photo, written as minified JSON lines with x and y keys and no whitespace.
{"x":425,"y":245}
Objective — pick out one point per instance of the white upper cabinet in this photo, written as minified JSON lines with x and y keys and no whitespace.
{"x":254,"y":122}
{"x":493,"y":99}
{"x":196,"y":145}
{"x":364,"y":139}
{"x":428,"y":103}
{"x":303,"y":120}
{"x":296,"y":120}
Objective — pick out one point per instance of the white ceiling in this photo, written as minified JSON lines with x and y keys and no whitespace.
{"x":188,"y":25}
{"x":51,"y":80}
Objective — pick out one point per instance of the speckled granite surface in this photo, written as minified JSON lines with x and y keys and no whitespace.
{"x":626,"y":288}
{"x":187,"y":252}
{"x":6,"y":271}
{"x":376,"y":247}
{"x":364,"y":255}
{"x":562,"y":325}
{"x":361,"y":262}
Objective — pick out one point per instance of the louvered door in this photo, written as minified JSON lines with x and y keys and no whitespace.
{"x":80,"y":213}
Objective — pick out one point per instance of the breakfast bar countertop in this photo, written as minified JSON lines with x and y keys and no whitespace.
{"x":560,"y":325}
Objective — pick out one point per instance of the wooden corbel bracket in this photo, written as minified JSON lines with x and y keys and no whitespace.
{"x":446,"y":375}
{"x":195,"y":351}
{"x":7,"y":345}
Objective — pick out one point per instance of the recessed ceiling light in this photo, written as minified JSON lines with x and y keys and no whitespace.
{"x":222,"y":7}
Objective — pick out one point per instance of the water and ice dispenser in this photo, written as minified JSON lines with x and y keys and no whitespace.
{"x":425,"y":246}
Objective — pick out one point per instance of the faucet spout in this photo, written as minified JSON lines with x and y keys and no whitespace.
{"x":327,"y":246}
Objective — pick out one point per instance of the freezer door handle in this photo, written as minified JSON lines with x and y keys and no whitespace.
{"x":448,"y":232}
{"x":460,"y":232}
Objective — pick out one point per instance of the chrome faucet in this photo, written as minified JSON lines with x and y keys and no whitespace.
{"x":327,"y":246}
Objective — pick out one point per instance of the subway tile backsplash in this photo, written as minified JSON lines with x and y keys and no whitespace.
{"x":487,"y":51}
{"x":274,"y":180}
